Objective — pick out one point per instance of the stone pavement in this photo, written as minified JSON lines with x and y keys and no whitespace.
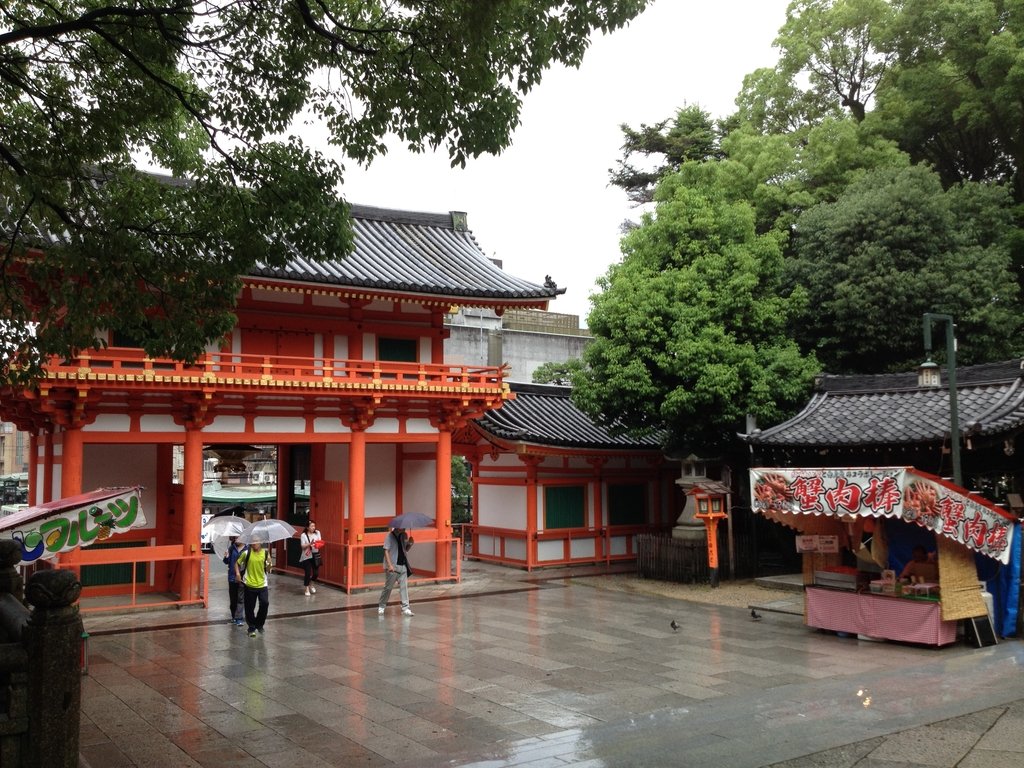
{"x":535,"y":671}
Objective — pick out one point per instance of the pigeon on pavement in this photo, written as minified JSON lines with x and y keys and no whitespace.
{"x":755,"y":615}
{"x":674,"y":624}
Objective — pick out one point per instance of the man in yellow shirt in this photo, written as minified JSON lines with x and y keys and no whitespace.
{"x":257,"y":564}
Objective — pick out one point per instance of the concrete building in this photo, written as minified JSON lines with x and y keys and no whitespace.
{"x":524,"y":339}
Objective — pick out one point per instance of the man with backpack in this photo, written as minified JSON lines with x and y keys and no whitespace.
{"x":257,"y":564}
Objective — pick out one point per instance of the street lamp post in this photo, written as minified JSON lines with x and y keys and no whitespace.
{"x":954,"y":419}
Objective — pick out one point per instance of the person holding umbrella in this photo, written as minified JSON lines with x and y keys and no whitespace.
{"x":396,"y":566}
{"x":255,"y":584}
{"x":234,"y":583}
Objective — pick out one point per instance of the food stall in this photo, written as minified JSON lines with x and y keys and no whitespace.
{"x":857,"y":528}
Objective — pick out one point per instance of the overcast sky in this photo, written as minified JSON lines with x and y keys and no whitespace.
{"x":544,"y":206}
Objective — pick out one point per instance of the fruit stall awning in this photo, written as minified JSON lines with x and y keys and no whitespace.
{"x":846,"y":493}
{"x":59,"y":526}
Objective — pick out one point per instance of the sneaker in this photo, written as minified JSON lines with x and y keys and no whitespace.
{"x":239,"y":622}
{"x":307,"y":591}
{"x":380,"y":611}
{"x":252,"y":632}
{"x":407,"y":612}
{"x":260,"y":630}
{"x":312,"y":588}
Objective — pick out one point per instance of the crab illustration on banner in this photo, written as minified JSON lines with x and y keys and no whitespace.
{"x":46,"y":530}
{"x":893,"y":492}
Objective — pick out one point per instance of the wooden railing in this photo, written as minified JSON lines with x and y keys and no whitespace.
{"x":133,"y":556}
{"x":127,"y":364}
{"x":354,"y":553}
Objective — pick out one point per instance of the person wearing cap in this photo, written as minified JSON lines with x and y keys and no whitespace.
{"x":234,"y":584}
{"x":396,"y":568}
{"x":255,"y":584}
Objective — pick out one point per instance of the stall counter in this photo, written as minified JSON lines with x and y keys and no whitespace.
{"x":879,"y":616}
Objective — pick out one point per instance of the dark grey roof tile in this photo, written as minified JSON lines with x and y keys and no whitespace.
{"x":414,"y":252}
{"x":891,"y":409}
{"x":545,"y":414}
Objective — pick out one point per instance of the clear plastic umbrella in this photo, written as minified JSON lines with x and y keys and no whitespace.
{"x":224,"y":526}
{"x":267,"y":530}
{"x":411,"y":520}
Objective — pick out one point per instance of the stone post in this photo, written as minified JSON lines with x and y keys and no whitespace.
{"x":53,"y":640}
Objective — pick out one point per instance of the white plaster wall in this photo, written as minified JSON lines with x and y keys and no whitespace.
{"x":550,"y":550}
{"x":618,"y":545}
{"x":109,"y":422}
{"x":383,"y":426}
{"x":380,"y":480}
{"x":419,"y":427}
{"x":583,"y":548}
{"x":329,"y":425}
{"x":157,"y":423}
{"x":106,"y":465}
{"x":503,"y":506}
{"x":341,"y":347}
{"x":231,"y":424}
{"x":295,"y":425}
{"x":369,"y":346}
{"x":336,"y":462}
{"x":515,"y":548}
{"x":419,"y":481}
{"x":278,"y":297}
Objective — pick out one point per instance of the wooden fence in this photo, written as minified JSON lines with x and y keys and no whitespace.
{"x":668,"y":559}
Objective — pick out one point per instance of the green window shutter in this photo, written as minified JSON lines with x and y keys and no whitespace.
{"x":398,"y":350}
{"x":627,"y":504}
{"x":564,"y":506}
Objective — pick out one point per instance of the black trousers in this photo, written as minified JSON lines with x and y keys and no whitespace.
{"x":234,"y":598}
{"x":312,"y":571}
{"x":254,"y":618}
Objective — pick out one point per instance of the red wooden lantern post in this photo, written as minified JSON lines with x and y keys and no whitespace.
{"x":710,"y":509}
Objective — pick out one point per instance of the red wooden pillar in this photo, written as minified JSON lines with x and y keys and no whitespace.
{"x":356,"y":506}
{"x":531,"y":510}
{"x":71,"y":462}
{"x":443,"y":502}
{"x":192,"y":513}
{"x":33,"y":469}
{"x":46,"y":492}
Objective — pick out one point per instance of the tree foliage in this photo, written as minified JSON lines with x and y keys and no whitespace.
{"x":209,"y":92}
{"x":892,"y":247}
{"x":561,"y":374}
{"x":663,"y":147}
{"x":690,"y":328}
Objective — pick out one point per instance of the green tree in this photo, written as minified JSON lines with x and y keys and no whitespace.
{"x":209,"y":92}
{"x":894,"y":246}
{"x":690,"y":328}
{"x":558,"y":373}
{"x":953,"y":97}
{"x":690,"y":135}
{"x":462,"y":491}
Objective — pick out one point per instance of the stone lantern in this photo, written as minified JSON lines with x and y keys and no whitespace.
{"x":694,"y":471}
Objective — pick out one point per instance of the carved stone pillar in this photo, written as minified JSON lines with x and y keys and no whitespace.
{"x":53,"y":640}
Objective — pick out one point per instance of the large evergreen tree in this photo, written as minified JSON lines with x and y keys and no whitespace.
{"x":691,"y":327}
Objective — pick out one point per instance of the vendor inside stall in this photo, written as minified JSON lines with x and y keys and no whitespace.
{"x":921,"y":568}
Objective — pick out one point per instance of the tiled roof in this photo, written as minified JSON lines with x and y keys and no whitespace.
{"x":423,"y":253}
{"x":545,"y":414}
{"x":891,"y":409}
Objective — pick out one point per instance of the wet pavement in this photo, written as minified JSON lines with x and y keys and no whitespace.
{"x":534,"y":671}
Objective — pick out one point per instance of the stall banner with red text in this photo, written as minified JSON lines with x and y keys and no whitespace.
{"x":896,"y":492}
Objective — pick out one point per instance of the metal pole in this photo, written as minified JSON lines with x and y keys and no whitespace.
{"x":954,"y":418}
